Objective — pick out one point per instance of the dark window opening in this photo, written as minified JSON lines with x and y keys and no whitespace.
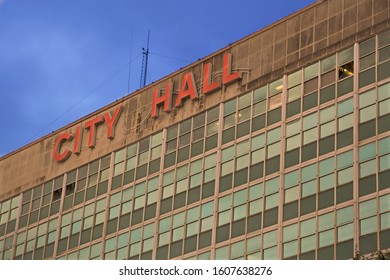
{"x":57,"y":194}
{"x":346,"y":70}
{"x":70,"y":188}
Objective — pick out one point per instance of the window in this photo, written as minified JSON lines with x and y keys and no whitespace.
{"x":384,"y":55}
{"x":270,"y":248}
{"x":368,"y":218}
{"x":345,"y":62}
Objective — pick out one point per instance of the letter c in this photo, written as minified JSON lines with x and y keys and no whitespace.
{"x":58,"y":156}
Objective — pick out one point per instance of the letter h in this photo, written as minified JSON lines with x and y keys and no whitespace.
{"x":165,"y":99}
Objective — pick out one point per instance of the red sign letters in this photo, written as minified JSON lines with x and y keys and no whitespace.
{"x":187,"y":90}
{"x":77,"y":137}
{"x":188,"y":87}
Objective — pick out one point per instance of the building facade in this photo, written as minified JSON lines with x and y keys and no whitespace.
{"x":275,"y":147}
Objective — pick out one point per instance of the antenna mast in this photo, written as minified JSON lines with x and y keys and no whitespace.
{"x":144,"y":67}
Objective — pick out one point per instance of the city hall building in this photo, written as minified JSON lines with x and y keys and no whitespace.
{"x":274,"y":147}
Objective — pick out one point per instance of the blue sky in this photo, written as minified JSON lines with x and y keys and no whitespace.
{"x":63,"y":59}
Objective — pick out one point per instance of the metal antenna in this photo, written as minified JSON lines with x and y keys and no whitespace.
{"x":144,"y":67}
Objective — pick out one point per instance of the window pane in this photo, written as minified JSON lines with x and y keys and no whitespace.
{"x":326,"y":166}
{"x":326,"y":182}
{"x":367,"y":208}
{"x":291,"y":179}
{"x":367,"y":46}
{"x":345,"y":232}
{"x":270,"y":239}
{"x":209,"y":175}
{"x":367,"y":61}
{"x":346,"y":56}
{"x":328,"y":64}
{"x":244,"y":114}
{"x":327,"y":114}
{"x":290,"y":249}
{"x":259,"y":94}
{"x":293,"y":142}
{"x":253,"y":244}
{"x":345,"y":176}
{"x":345,"y":159}
{"x":309,"y":172}
{"x":345,"y":122}
{"x":309,"y":136}
{"x":229,"y":121}
{"x":291,"y":194}
{"x":367,"y":98}
{"x":222,"y":253}
{"x":212,"y":114}
{"x":271,"y":201}
{"x":328,"y":129}
{"x":178,"y":219}
{"x":237,"y":249}
{"x":383,"y":38}
{"x":255,"y":206}
{"x":325,"y":221}
{"x":224,"y":217}
{"x":308,"y":243}
{"x":384,"y":54}
{"x":271,"y":253}
{"x":242,"y":148}
{"x":273,"y":150}
{"x":345,"y":107}
{"x":344,"y":215}
{"x":257,"y":156}
{"x":239,"y":212}
{"x":227,"y":168}
{"x":294,"y":78}
{"x":272,"y":186}
{"x":212,"y":128}
{"x":275,"y":101}
{"x":275,"y":87}
{"x":119,"y":156}
{"x":367,"y":168}
{"x":199,"y":120}
{"x":385,"y":221}
{"x":294,"y":93}
{"x":311,"y":71}
{"x":310,"y":121}
{"x":229,"y":107}
{"x":210,"y":161}
{"x":309,"y":188}
{"x":326,"y":238}
{"x":308,"y":227}
{"x":224,"y":203}
{"x":384,"y":202}
{"x":367,"y":151}
{"x":273,"y":135}
{"x":244,"y":101}
{"x":367,"y":113}
{"x":257,"y":142}
{"x":384,"y":107}
{"x":227,"y":153}
{"x":293,"y":128}
{"x":368,"y":225}
{"x":384,"y":91}
{"x":384,"y":146}
{"x":290,"y":232}
{"x":259,"y":108}
{"x":256,"y":191}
